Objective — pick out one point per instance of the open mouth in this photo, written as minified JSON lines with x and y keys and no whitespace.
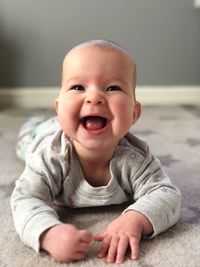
{"x":94,"y":122}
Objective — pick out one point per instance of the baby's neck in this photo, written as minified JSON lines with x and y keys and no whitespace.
{"x":96,"y":174}
{"x":96,"y":168}
{"x":95,"y":164}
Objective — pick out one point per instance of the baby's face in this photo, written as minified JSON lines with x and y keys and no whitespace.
{"x":96,"y":106}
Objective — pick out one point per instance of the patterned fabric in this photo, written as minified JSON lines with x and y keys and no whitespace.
{"x":33,"y":127}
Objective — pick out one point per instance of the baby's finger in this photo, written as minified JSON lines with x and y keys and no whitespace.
{"x":112,"y":251}
{"x":104,"y":247}
{"x":134,"y":248}
{"x":99,"y":236}
{"x":85,"y":236}
{"x":122,"y":248}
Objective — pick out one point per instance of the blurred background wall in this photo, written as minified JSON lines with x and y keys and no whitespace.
{"x":162,"y":36}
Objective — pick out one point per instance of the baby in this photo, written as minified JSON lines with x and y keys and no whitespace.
{"x":87,"y":157}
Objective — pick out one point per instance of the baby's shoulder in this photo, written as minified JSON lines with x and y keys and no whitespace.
{"x":54,"y":143}
{"x":130,"y":144}
{"x":131,"y":155}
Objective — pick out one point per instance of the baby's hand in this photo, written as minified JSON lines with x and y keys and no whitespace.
{"x":66,"y":243}
{"x":123,"y":232}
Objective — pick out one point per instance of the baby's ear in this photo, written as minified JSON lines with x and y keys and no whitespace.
{"x":137,"y":111}
{"x":56,"y":104}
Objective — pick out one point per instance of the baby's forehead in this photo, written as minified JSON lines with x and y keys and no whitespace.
{"x":74,"y":58}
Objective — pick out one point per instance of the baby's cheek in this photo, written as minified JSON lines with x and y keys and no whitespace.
{"x":126,"y":114}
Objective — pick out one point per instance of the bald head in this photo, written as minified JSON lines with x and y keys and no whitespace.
{"x":101,"y":43}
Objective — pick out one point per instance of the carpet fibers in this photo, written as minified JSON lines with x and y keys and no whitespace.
{"x":173,"y":133}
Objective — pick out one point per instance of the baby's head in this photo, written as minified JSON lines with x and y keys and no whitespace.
{"x":96,"y":105}
{"x":104,"y":47}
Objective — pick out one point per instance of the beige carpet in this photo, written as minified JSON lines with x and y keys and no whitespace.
{"x":173,"y":134}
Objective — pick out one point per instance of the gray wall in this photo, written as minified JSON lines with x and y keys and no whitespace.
{"x":162,"y":35}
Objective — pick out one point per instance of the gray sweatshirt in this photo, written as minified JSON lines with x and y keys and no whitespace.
{"x":53,"y":174}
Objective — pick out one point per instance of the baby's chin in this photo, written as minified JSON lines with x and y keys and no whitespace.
{"x":94,"y":146}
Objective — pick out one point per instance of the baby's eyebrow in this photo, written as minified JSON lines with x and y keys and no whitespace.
{"x":75,"y":78}
{"x":106,"y":82}
{"x":117,"y":80}
{"x":72,"y":81}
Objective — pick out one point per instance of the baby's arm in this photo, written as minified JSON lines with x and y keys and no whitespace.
{"x":38,"y":224}
{"x":156,"y":207}
{"x":125,"y":231}
{"x":35,"y":220}
{"x":66,"y":243}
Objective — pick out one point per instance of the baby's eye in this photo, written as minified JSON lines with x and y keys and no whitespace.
{"x":77,"y":87}
{"x":113,"y":88}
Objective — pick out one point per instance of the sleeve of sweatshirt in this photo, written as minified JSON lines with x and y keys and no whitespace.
{"x":34,"y":193}
{"x":154,"y":194}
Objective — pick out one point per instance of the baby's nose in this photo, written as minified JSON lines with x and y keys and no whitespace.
{"x":95,"y":98}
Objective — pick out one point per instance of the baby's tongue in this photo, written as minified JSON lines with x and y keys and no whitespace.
{"x":94,"y":123}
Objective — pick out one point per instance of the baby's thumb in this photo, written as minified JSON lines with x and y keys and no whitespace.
{"x":86,"y":236}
